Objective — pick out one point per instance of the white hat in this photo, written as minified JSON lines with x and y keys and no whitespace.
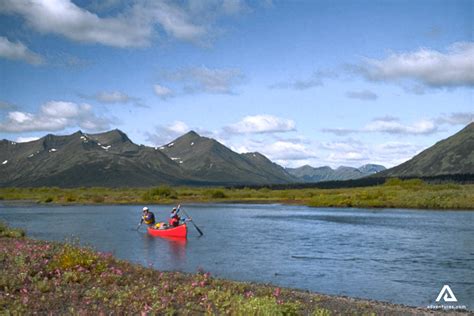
{"x":145,"y":208}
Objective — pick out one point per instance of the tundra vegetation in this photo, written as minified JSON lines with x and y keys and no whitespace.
{"x":394,"y":193}
{"x":39,"y":277}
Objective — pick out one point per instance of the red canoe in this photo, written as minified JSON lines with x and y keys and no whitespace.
{"x":179,"y":231}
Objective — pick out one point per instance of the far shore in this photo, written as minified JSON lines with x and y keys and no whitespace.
{"x":395,"y":193}
{"x":49,"y":277}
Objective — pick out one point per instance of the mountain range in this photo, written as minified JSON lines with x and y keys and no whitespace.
{"x":111,"y":159}
{"x":310,"y":174}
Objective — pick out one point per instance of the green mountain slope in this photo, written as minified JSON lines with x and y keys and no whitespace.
{"x":453,"y":155}
{"x":207,"y":159}
{"x":81,"y":160}
{"x":111,"y":159}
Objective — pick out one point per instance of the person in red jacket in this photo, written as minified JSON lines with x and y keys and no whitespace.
{"x":175,"y":219}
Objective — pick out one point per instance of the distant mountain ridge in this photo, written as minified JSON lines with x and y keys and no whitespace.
{"x":310,"y":174}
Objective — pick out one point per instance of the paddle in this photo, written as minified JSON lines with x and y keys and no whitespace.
{"x":139,"y":225}
{"x":195,"y":226}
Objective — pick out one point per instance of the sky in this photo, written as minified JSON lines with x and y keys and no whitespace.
{"x":302,"y":82}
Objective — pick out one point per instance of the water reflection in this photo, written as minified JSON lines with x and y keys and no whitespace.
{"x":177,"y":248}
{"x":170,"y":252}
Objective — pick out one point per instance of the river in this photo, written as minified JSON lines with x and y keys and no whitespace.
{"x":393,"y":255}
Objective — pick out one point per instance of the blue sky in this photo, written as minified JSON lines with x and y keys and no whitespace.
{"x":303,"y":82}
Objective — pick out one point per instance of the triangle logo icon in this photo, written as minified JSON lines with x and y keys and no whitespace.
{"x":446,"y":294}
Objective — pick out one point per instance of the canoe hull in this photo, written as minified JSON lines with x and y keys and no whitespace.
{"x":181,"y":231}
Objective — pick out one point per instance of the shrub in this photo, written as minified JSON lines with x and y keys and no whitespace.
{"x":72,"y":256}
{"x":218,"y":194}
{"x":98,"y":199}
{"x":5,"y":231}
{"x":162,"y":191}
{"x":48,"y":199}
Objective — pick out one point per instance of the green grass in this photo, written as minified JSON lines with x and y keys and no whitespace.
{"x":395,"y":193}
{"x":8,"y":232}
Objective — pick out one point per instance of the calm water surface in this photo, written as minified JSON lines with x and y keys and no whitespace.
{"x":399,"y":256}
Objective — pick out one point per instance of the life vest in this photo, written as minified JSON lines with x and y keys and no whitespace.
{"x":149,"y":218}
{"x":174,"y":221}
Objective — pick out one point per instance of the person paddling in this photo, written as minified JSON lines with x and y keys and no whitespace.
{"x":147,"y":217}
{"x":175,"y":219}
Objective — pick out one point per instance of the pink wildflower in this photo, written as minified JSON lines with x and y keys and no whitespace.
{"x":277,"y":292}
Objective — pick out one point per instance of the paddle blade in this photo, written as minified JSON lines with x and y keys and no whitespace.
{"x":197,"y":228}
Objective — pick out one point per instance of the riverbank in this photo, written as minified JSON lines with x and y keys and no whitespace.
{"x":394,"y":193}
{"x":45,"y":277}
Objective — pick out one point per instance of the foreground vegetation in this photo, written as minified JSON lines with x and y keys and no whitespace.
{"x":38,"y":277}
{"x":394,"y":193}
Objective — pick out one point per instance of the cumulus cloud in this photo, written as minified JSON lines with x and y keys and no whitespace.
{"x":365,"y":95}
{"x":134,"y":26}
{"x":165,"y":134}
{"x":425,"y":67}
{"x":282,"y":150}
{"x":26,"y":139}
{"x":54,"y":116}
{"x":162,"y":91}
{"x":456,"y":118}
{"x":354,"y":153}
{"x":261,"y":124}
{"x":390,"y":125}
{"x":18,"y":51}
{"x":315,"y":80}
{"x":340,"y":131}
{"x":421,"y":127}
{"x":114,"y":97}
{"x":206,"y":80}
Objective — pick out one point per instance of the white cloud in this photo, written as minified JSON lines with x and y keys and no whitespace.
{"x":162,"y":91}
{"x":281,"y":150}
{"x":354,"y":153}
{"x":177,"y":22}
{"x":61,"y":109}
{"x":365,"y":95}
{"x":134,"y":26}
{"x":456,"y":118}
{"x":113,"y":97}
{"x":421,"y":127}
{"x":390,"y":125}
{"x":206,"y":80}
{"x":54,"y":116}
{"x":65,"y":18}
{"x":340,"y":131}
{"x":26,"y":139}
{"x":18,"y":51}
{"x":315,"y":80}
{"x":261,"y":124}
{"x":426,"y":67}
{"x":165,"y":134}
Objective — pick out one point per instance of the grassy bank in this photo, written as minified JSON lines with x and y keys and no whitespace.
{"x":394,"y":193}
{"x":54,"y":278}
